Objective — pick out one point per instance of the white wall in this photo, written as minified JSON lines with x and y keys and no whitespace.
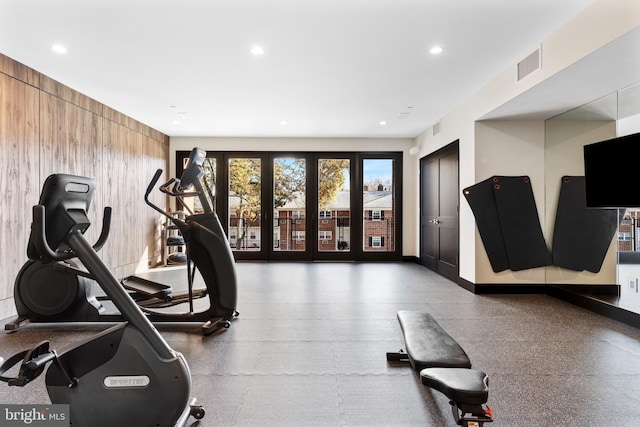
{"x":511,"y":148}
{"x":629,"y":125}
{"x":410,"y":165}
{"x":599,"y":24}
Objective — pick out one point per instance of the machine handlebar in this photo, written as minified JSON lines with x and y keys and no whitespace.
{"x":38,"y":232}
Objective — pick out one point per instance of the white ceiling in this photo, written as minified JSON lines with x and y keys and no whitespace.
{"x":331,"y":68}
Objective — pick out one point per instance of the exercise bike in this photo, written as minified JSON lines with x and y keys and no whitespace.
{"x":207,"y":248}
{"x":125,"y":375}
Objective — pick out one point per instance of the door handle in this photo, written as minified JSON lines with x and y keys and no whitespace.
{"x":434,"y":221}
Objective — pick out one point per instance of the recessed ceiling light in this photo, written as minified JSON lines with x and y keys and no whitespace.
{"x":383,"y":123}
{"x":283,"y":123}
{"x":257,"y":50}
{"x":436,"y":50}
{"x":176,"y":122}
{"x":59,"y":48}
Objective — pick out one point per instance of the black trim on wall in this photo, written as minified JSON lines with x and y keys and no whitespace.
{"x":584,"y":296}
{"x":594,"y":304}
{"x":502,"y":288}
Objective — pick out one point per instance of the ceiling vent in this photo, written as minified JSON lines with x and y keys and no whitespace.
{"x":529,"y":64}
{"x":436,"y":128}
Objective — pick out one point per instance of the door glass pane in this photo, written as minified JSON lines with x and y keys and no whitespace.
{"x":194,"y":204}
{"x":289,"y":204}
{"x":628,"y":231}
{"x":334,"y":205}
{"x":378,"y":227}
{"x":245,"y":210}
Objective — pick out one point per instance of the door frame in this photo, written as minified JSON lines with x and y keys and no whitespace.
{"x":268,"y":217}
{"x":452,"y":148}
{"x":354,"y":230}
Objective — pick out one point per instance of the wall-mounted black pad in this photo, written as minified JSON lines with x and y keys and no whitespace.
{"x":482,"y":202}
{"x":581,"y":236}
{"x":521,"y":231}
{"x":508,"y":222}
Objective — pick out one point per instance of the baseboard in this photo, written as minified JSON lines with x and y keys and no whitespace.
{"x":591,"y":302}
{"x":584,"y":296}
{"x":410,"y":258}
{"x":589,"y":289}
{"x":502,"y":288}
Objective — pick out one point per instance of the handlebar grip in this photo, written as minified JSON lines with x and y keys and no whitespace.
{"x":153,"y":182}
{"x":40,"y":237}
{"x":165,"y":187}
{"x":106,"y":227}
{"x":41,"y":360}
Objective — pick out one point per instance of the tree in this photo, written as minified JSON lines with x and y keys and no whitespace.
{"x":289,"y":180}
{"x":244,"y":184}
{"x":289,"y":183}
{"x":332,"y":174}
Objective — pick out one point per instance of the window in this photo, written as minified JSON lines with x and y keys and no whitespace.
{"x":243,"y":201}
{"x":380,"y":203}
{"x":325,"y":214}
{"x":325,"y":235}
{"x":377,"y":241}
{"x":297,"y":235}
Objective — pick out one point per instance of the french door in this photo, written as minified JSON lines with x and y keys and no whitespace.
{"x":334,"y":204}
{"x":301,"y":206}
{"x":288,"y":222}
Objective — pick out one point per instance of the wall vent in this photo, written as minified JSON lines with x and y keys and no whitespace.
{"x":529,"y":64}
{"x":436,"y":128}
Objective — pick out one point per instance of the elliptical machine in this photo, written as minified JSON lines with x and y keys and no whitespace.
{"x":207,"y":250}
{"x":125,"y":375}
{"x":206,"y":246}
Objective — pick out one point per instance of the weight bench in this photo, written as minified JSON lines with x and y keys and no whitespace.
{"x":444,"y":366}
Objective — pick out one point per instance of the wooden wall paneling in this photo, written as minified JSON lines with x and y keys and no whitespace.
{"x":19,"y":181}
{"x":135,"y":207}
{"x":156,"y":158}
{"x":127,"y":156}
{"x":70,"y":138}
{"x":57,"y":89}
{"x":70,"y":142}
{"x":115,"y":164}
{"x":161,"y":160}
{"x":47,"y":127}
{"x":13,"y":68}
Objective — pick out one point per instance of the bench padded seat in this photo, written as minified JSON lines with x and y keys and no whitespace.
{"x":428,"y":345}
{"x":463,"y":386}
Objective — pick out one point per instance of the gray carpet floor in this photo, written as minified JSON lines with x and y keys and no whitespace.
{"x":309,"y":350}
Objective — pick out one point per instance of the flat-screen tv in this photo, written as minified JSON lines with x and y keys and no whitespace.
{"x":612,"y":173}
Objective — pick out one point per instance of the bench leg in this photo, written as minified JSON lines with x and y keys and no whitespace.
{"x":471,"y":415}
{"x":399,"y":356}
